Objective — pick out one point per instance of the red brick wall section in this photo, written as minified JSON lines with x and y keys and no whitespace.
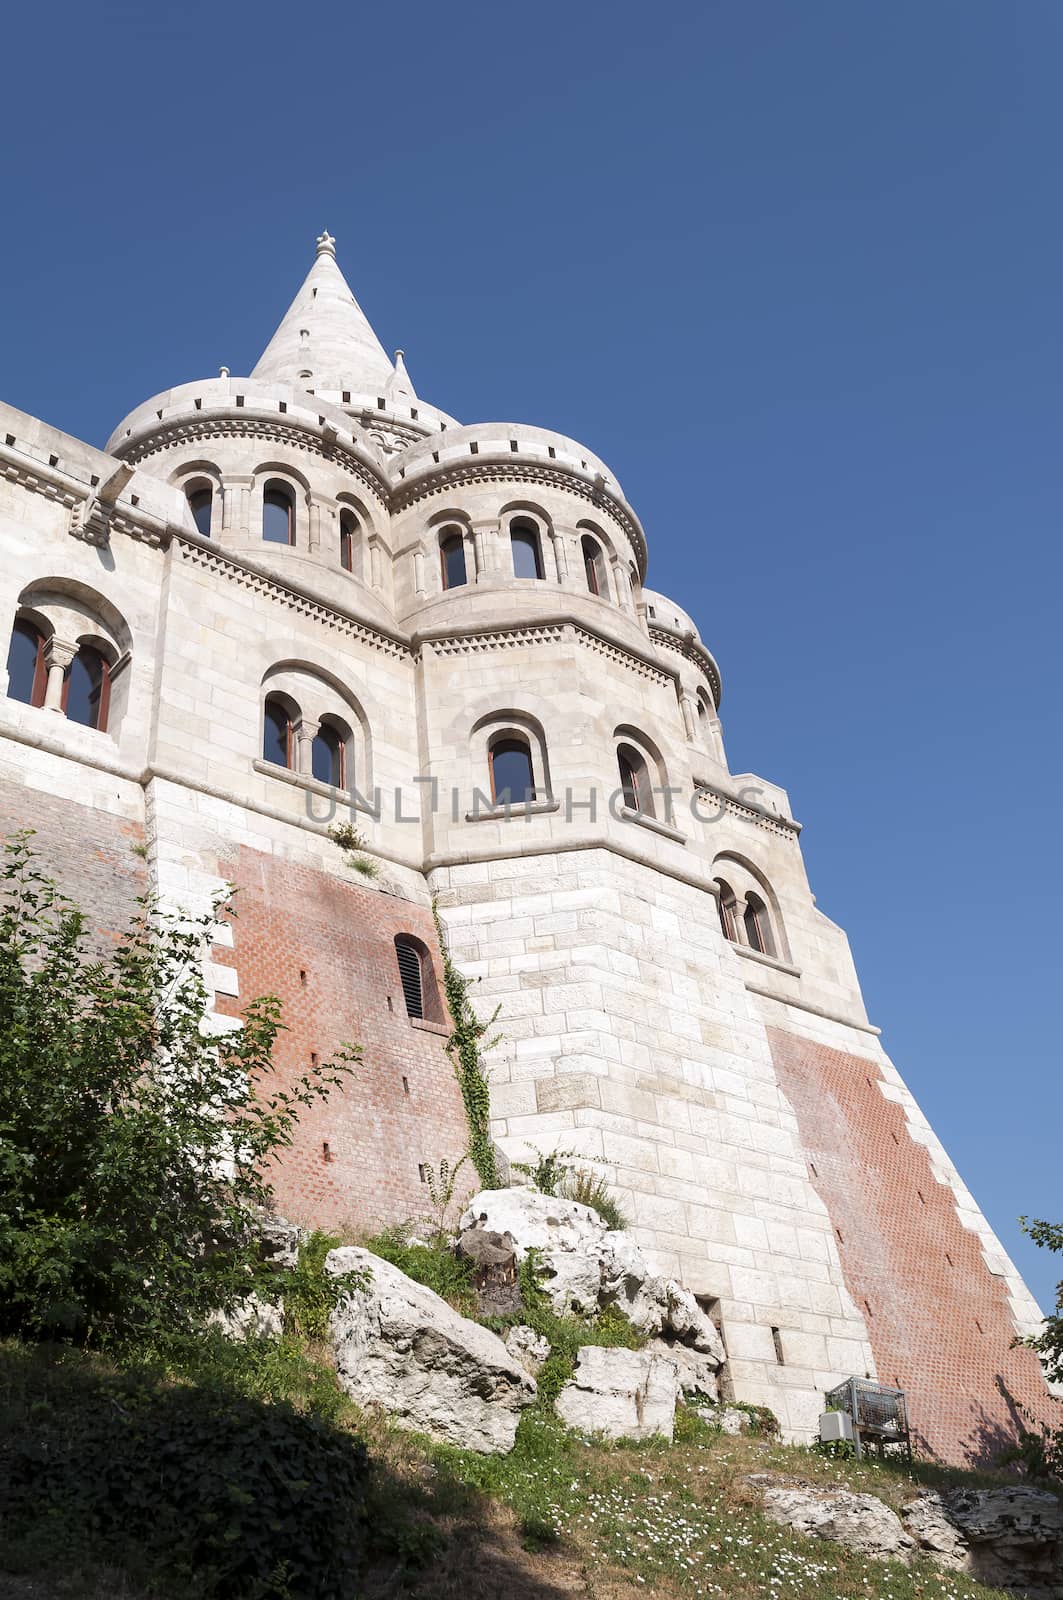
{"x":89,"y":853}
{"x":938,"y":1320}
{"x":326,"y":948}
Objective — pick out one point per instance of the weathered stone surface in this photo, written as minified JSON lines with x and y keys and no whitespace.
{"x":528,"y":1347}
{"x":697,"y":1370}
{"x":587,"y":1266}
{"x":623,"y":1394}
{"x":732,"y":1420}
{"x":1015,"y":1537}
{"x":935,"y":1533}
{"x":858,"y":1521}
{"x":253,"y":1318}
{"x":401,"y":1347}
{"x":568,"y":1236}
{"x":280,"y":1241}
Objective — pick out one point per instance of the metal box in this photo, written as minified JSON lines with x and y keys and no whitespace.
{"x":835,"y":1425}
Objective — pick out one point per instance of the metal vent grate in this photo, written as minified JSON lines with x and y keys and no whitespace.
{"x":410,"y":973}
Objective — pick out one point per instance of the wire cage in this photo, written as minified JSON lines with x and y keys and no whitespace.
{"x":879,"y":1414}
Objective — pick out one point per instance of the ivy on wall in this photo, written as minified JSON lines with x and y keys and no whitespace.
{"x":465,"y":1046}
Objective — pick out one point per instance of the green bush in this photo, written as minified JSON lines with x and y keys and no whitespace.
{"x":134,"y":1147}
{"x":447,"y":1274}
{"x":195,"y":1489}
{"x":590,"y":1189}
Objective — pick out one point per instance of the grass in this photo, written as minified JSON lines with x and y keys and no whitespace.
{"x":560,"y":1515}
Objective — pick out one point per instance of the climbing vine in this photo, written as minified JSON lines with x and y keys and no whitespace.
{"x":465,"y":1046}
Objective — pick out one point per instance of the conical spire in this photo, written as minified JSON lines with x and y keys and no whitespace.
{"x":400,"y":384}
{"x":324,"y":341}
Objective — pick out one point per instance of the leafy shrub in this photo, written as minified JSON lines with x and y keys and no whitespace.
{"x":196,"y":1487}
{"x":695,"y":1425}
{"x":133,"y":1146}
{"x":590,"y":1189}
{"x":447,"y":1274}
{"x":310,"y":1293}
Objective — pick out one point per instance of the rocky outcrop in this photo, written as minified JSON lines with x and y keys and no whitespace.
{"x":620,"y":1394}
{"x":858,"y":1521}
{"x":528,"y":1347}
{"x":401,"y":1347}
{"x":1008,"y":1537}
{"x":1014,"y":1537}
{"x":585,"y":1267}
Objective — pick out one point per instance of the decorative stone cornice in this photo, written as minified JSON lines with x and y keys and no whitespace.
{"x":199,"y":555}
{"x":690,"y":647}
{"x":408,"y":492}
{"x":306,"y":439}
{"x":759,"y":816}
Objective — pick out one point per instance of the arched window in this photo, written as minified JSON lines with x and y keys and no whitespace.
{"x":328,"y":757}
{"x":703,"y":717}
{"x":594,"y":565}
{"x":277,"y":732}
{"x":758,"y":929}
{"x":87,"y":689}
{"x":452,"y":559}
{"x":635,"y":780}
{"x":278,"y":514}
{"x":200,"y":503}
{"x":728,"y":907}
{"x":27,"y":675}
{"x":411,"y":974}
{"x":348,"y":535}
{"x":527,"y":552}
{"x":512,"y":777}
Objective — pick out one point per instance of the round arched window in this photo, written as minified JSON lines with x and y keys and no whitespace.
{"x":277,"y":739}
{"x":512,"y":776}
{"x":527,"y":551}
{"x":635,"y":779}
{"x":201,"y":504}
{"x":27,"y":675}
{"x":278,"y":514}
{"x":452,"y":560}
{"x":328,"y":757}
{"x":86,"y":689}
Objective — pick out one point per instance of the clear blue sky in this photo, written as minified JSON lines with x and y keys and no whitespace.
{"x":793,"y":269}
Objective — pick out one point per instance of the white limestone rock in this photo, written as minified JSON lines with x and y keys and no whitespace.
{"x":621,"y":1394}
{"x":252,"y":1318}
{"x":858,"y":1521}
{"x":933,"y":1530}
{"x":697,"y":1370}
{"x":586,"y":1266}
{"x":1015,"y":1537}
{"x":568,"y":1236}
{"x":528,"y":1347}
{"x":399,"y":1346}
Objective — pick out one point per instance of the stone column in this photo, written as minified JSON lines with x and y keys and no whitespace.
{"x":418,"y":571}
{"x":557,"y":546}
{"x":57,"y":656}
{"x":315,"y":526}
{"x":690,"y":718}
{"x":305,"y":734}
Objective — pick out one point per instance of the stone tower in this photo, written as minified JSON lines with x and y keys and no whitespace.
{"x":307,"y":596}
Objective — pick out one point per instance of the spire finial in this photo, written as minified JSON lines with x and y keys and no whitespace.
{"x":326,"y":244}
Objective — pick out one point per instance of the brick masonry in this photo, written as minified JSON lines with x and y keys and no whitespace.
{"x":88,"y":852}
{"x":326,"y":948}
{"x":938,"y":1319}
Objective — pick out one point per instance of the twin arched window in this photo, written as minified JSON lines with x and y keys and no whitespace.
{"x":526,"y":548}
{"x":286,"y":743}
{"x":278,"y":513}
{"x":748,"y":924}
{"x":85,"y":693}
{"x":452,"y":558}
